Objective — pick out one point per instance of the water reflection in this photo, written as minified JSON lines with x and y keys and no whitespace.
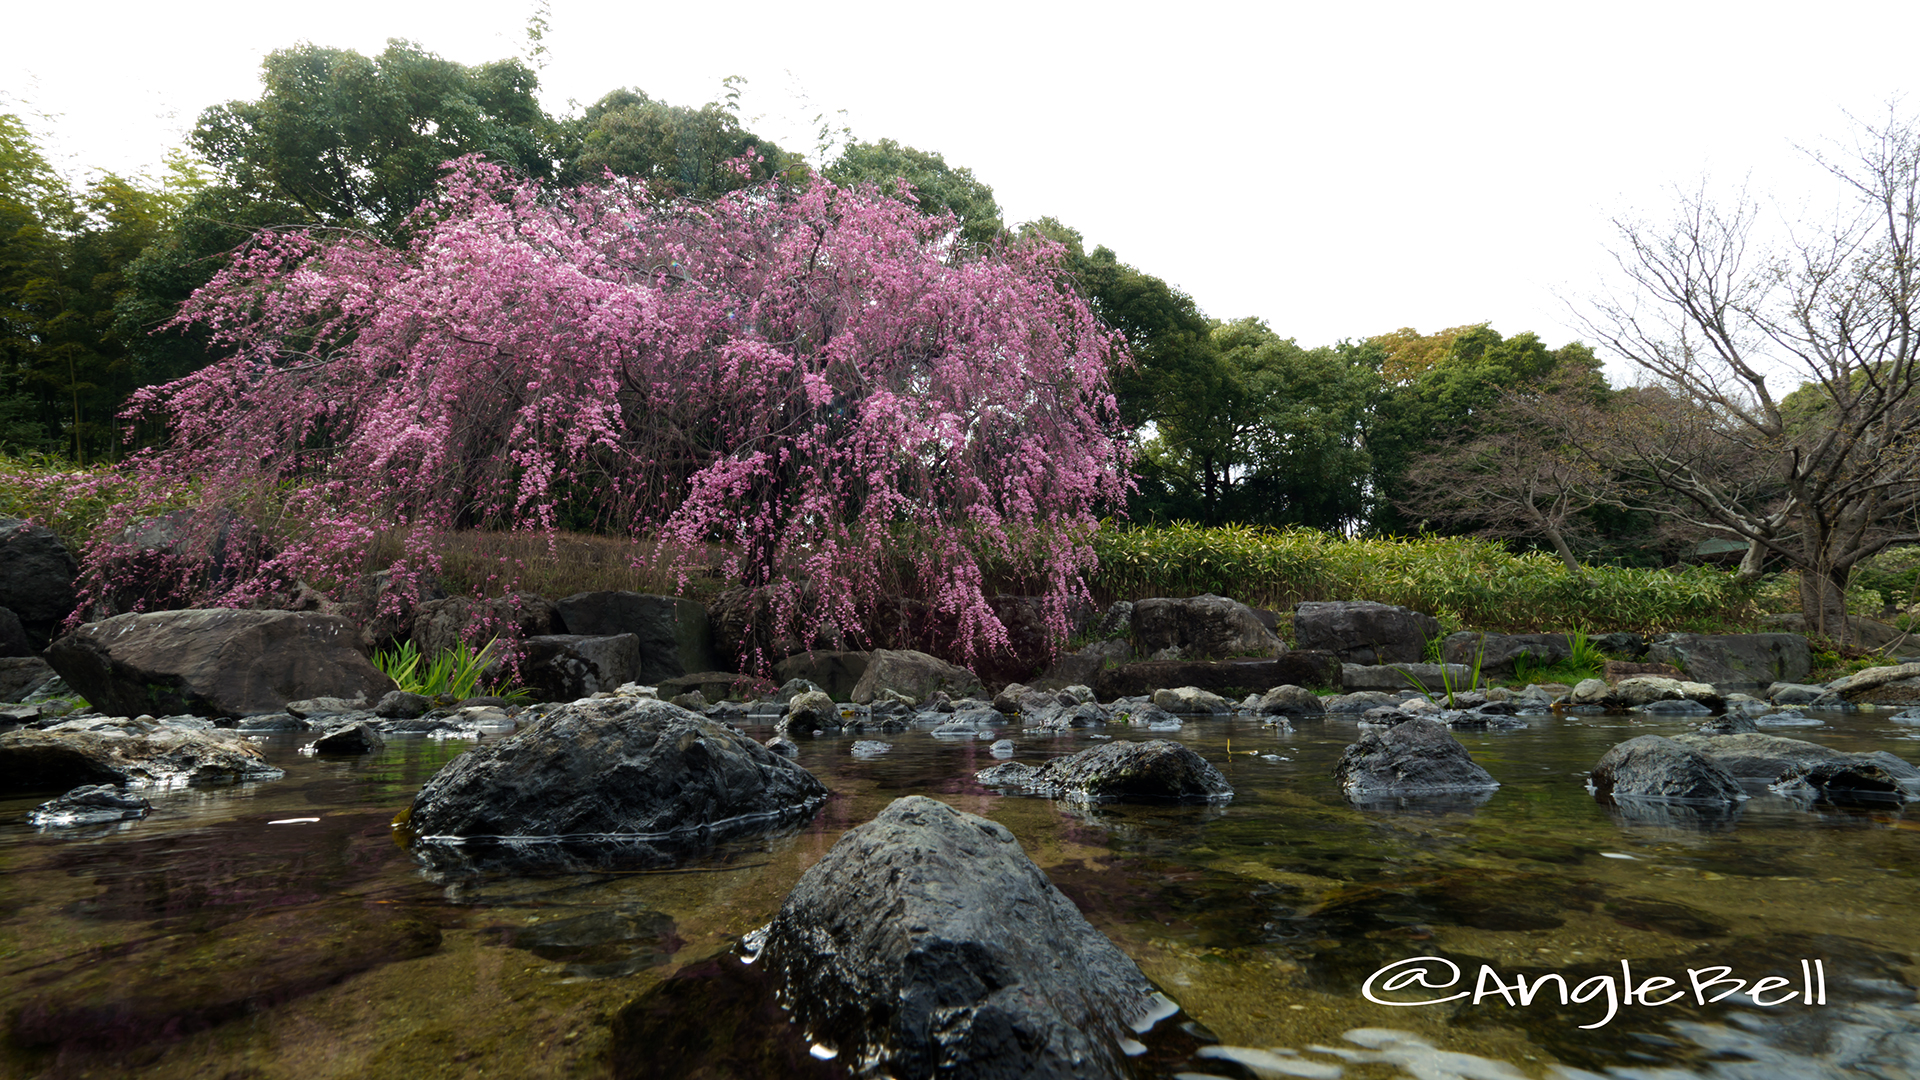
{"x":205,"y":941}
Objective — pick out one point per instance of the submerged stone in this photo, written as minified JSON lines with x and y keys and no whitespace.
{"x":95,"y":804}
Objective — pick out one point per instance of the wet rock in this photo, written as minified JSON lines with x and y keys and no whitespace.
{"x":1730,"y":724}
{"x":95,"y":804}
{"x":1746,"y":659}
{"x":1642,"y":690}
{"x":810,"y":711}
{"x":1676,"y":708}
{"x":1157,"y":771}
{"x":914,"y":674}
{"x":1788,"y":719}
{"x":1786,"y":693}
{"x":613,"y":767}
{"x":1364,"y":633}
{"x":1080,"y":716}
{"x":1897,"y":684}
{"x":971,"y":724}
{"x":784,"y":746}
{"x":1081,"y":694}
{"x":1415,"y":757}
{"x":692,"y":701}
{"x":671,"y":634}
{"x":1591,"y":692}
{"x":835,"y":671}
{"x":1767,"y":758}
{"x":1844,"y":784}
{"x":401,"y":705}
{"x":869,"y":748}
{"x":1654,"y":767}
{"x":32,"y":761}
{"x":1191,"y":699}
{"x":926,"y":942}
{"x":794,"y":687}
{"x":262,"y":723}
{"x":1288,"y":701}
{"x":1360,"y":702}
{"x":215,"y":661}
{"x":1202,"y":628}
{"x":355,"y":738}
{"x":1002,"y":748}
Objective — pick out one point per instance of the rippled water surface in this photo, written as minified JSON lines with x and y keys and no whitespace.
{"x":224,"y":937}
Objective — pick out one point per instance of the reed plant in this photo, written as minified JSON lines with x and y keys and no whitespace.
{"x":454,"y":673}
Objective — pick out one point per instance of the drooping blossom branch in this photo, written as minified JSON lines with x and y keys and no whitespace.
{"x":817,"y":380}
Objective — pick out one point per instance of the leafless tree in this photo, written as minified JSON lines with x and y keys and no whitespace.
{"x":1826,"y":475}
{"x":1513,"y":479}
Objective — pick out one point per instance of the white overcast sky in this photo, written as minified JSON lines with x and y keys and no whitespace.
{"x":1337,"y":169}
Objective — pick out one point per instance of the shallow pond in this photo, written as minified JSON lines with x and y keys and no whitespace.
{"x":276,"y":930}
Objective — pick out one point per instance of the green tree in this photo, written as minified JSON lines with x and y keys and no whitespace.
{"x":356,"y":140}
{"x":1274,"y":441}
{"x":676,"y":150}
{"x":937,"y":186}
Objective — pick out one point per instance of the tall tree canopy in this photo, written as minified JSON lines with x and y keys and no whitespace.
{"x":357,"y":140}
{"x":815,"y":378}
{"x":674,"y":149}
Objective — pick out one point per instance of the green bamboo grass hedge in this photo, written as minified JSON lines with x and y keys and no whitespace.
{"x":1463,"y":581}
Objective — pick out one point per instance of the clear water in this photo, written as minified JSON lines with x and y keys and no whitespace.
{"x":207,"y":941}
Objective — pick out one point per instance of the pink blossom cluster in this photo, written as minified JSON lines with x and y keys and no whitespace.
{"x":817,"y":380}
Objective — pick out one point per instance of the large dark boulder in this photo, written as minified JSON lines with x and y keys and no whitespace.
{"x":441,"y":625}
{"x":1654,"y":767}
{"x":615,"y":768}
{"x":836,"y":671}
{"x":1228,"y":678}
{"x":1498,"y":653}
{"x":22,"y":675}
{"x":215,"y":662}
{"x":567,"y":667}
{"x":927,"y":943}
{"x":1364,"y":632}
{"x":1202,"y":628}
{"x":1846,"y":784}
{"x":37,"y":575}
{"x":915,"y":675}
{"x":673,"y":634}
{"x":1767,"y":758}
{"x":1157,"y":771}
{"x":1416,"y":757}
{"x":1735,"y":659}
{"x":34,"y":761}
{"x":1083,"y":668}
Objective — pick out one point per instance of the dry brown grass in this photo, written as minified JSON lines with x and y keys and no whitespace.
{"x":485,"y":563}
